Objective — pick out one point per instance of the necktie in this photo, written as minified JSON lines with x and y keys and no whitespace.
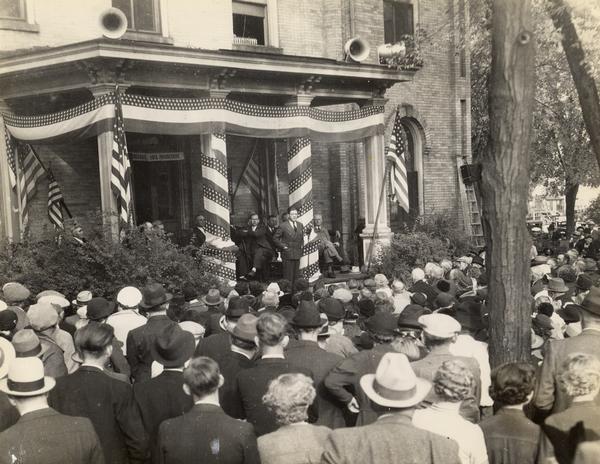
{"x":294,"y":223}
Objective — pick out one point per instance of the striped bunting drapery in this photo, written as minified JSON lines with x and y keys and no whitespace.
{"x":396,"y":154}
{"x":300,"y":185}
{"x":256,"y":183}
{"x":120,"y":175}
{"x":55,"y":202}
{"x":180,"y":116}
{"x":217,"y":207}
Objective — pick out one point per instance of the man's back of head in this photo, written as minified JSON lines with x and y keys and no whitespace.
{"x":271,"y":329}
{"x":202,"y":377}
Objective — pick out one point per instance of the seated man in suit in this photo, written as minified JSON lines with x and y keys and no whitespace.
{"x":257,"y":248}
{"x":328,"y":250}
{"x":205,"y":434}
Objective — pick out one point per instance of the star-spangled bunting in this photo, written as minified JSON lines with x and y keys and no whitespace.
{"x":55,"y":202}
{"x":396,"y":154}
{"x":120,"y":178}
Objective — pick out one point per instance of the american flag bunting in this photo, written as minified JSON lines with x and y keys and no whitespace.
{"x":396,"y":154}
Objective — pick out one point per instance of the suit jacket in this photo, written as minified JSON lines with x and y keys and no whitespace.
{"x":252,"y":384}
{"x":391,"y":439}
{"x":285,"y":236}
{"x":343,"y":382}
{"x":511,"y":437}
{"x":564,"y":430}
{"x":197,"y":237}
{"x":90,"y":393}
{"x":230,"y":365}
{"x":429,"y":365}
{"x":139,"y":342}
{"x":310,"y":356}
{"x":207,"y":435}
{"x":216,"y":346}
{"x":423,"y":287}
{"x":548,"y":396}
{"x":47,"y":437}
{"x":293,"y":444}
{"x":149,"y":400}
{"x":8,"y":413}
{"x":53,"y":359}
{"x":258,"y":238}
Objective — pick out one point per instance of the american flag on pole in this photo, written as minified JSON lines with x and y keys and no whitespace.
{"x":120,"y":177}
{"x":255,"y":182}
{"x":24,"y":173}
{"x":396,"y":154}
{"x":55,"y":202}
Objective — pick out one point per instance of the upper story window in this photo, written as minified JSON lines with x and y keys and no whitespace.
{"x":142,"y":15}
{"x":250,"y":22}
{"x":398,"y":20}
{"x":12,"y":9}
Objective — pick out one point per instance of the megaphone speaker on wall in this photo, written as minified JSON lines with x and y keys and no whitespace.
{"x":113,"y":23}
{"x":357,"y":49}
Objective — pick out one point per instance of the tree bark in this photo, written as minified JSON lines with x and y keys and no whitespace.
{"x":571,"y":190}
{"x":585,"y":84}
{"x":505,"y":180}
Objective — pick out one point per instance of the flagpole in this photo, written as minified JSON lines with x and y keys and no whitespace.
{"x":381,"y":195}
{"x":46,"y":171}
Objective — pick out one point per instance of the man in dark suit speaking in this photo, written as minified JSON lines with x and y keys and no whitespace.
{"x":258,"y":249}
{"x":290,"y":238}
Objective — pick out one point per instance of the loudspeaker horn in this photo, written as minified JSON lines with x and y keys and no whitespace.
{"x":357,"y":49}
{"x":113,"y":23}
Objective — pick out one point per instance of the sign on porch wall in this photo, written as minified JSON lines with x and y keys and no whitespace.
{"x":162,"y":156}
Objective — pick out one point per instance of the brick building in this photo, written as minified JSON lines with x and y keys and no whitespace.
{"x":261,"y":53}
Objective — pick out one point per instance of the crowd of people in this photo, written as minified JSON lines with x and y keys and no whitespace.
{"x":374,"y":371}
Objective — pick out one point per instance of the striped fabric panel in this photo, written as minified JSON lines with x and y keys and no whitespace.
{"x":55,"y":200}
{"x":397,"y":156}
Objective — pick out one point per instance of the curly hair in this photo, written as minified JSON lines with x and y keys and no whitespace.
{"x":409,"y":346}
{"x":512,"y":383}
{"x":453,"y":381}
{"x":289,"y":397}
{"x":580,"y":374}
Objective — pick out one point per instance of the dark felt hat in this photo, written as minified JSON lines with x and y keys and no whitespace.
{"x":189,"y":291}
{"x":237,"y":307}
{"x":591,"y":302}
{"x":99,"y":308}
{"x":570,"y":313}
{"x":542,"y":321}
{"x":382,"y":323}
{"x":409,"y":316}
{"x":213,"y":297}
{"x":419,"y":298}
{"x":468,"y":313}
{"x":584,"y":282}
{"x":443,"y":300}
{"x":173,"y":346}
{"x":366,"y":307}
{"x":332,"y":308}
{"x":307,"y":316}
{"x":245,"y":329}
{"x":8,"y":319}
{"x":153,"y":295}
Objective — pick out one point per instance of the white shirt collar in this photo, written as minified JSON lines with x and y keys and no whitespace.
{"x":272,"y":356}
{"x":235,"y":349}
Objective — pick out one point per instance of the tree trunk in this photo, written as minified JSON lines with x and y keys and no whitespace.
{"x":571,"y":190}
{"x":505,"y":180}
{"x":580,"y":71}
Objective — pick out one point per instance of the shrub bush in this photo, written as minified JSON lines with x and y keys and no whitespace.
{"x":100,"y":265}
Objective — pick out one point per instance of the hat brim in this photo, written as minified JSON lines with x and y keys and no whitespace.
{"x":305,"y":326}
{"x":422,"y":388}
{"x":168,"y":297}
{"x":49,"y":384}
{"x":8,"y":356}
{"x":221,"y":300}
{"x":110,"y":309}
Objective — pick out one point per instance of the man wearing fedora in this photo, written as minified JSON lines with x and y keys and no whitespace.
{"x":252,"y":383}
{"x":91,"y":393}
{"x":549,"y":399}
{"x":394,"y":391}
{"x":345,"y":377}
{"x":239,"y":357}
{"x":139,"y":341}
{"x":27,"y":343}
{"x":42,"y":435}
{"x":205,"y":434}
{"x":305,"y":352}
{"x":172,"y":348}
{"x":217,"y":345}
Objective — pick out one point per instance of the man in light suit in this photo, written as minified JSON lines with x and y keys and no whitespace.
{"x":395,"y":391}
{"x":290,"y":238}
{"x":547,"y":398}
{"x":205,"y":434}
